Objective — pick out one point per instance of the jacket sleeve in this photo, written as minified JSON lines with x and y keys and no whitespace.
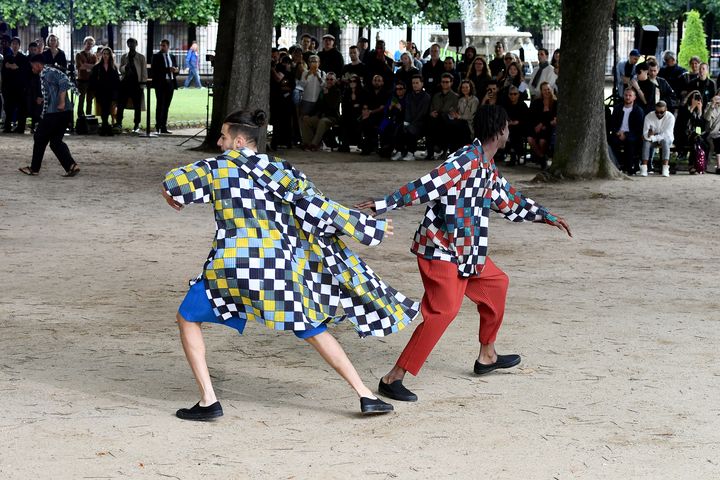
{"x":321,"y":216}
{"x":190,"y":184}
{"x":514,"y":206}
{"x":426,"y":188}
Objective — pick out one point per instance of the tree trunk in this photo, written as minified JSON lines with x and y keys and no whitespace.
{"x":241,"y":77}
{"x":582,"y":149}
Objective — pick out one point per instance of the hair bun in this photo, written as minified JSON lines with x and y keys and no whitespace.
{"x":259,"y":118}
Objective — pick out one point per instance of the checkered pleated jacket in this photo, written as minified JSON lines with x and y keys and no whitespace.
{"x":461,"y":192}
{"x":277,"y":257}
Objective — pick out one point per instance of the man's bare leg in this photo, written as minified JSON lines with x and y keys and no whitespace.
{"x":194,"y":347}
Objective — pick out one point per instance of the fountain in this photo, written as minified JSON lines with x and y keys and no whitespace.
{"x":484,"y":25}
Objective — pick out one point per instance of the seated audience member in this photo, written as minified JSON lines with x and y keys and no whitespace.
{"x":442,"y":124}
{"x":372,"y":113}
{"x":512,"y":77}
{"x":479,"y":74}
{"x":326,"y":114}
{"x":673,"y":74}
{"x":543,"y":73}
{"x":406,"y":71}
{"x":703,"y":84}
{"x":105,"y":82}
{"x":352,"y":106}
{"x":518,"y":116}
{"x":491,"y":93}
{"x":449,"y":67}
{"x":467,"y":106}
{"x":392,"y":122}
{"x":378,"y":63}
{"x":689,"y":125}
{"x":432,"y":70}
{"x":354,"y":68}
{"x":712,"y":117}
{"x":657,"y":132}
{"x":417,"y":107}
{"x":626,"y":125}
{"x":467,"y":59}
{"x":543,"y":120}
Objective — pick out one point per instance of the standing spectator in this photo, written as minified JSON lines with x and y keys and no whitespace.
{"x":53,"y":55}
{"x":543,"y":120}
{"x":330,"y":58}
{"x":15,"y":80}
{"x":433,"y":70}
{"x":353,"y":69}
{"x":85,"y":60}
{"x":34,"y":92}
{"x":497,"y":64}
{"x":703,"y":84}
{"x":626,"y":125}
{"x":372,"y":113}
{"x":518,"y":115}
{"x":443,"y":124}
{"x":105,"y":82}
{"x":467,"y":107}
{"x":311,"y":83}
{"x":657,"y":132}
{"x":690,"y":75}
{"x":673,"y":74}
{"x":393,"y":123}
{"x":712,"y":117}
{"x":417,"y":106}
{"x":164,"y":71}
{"x":133,"y":68}
{"x":415,"y":55}
{"x":326,"y":114}
{"x":689,"y":125}
{"x":352,"y":107}
{"x":449,"y":67}
{"x":282,"y":109}
{"x":379,"y":64}
{"x":307,"y":47}
{"x":625,"y":71}
{"x":56,"y":117}
{"x":363,"y":45}
{"x":406,"y":71}
{"x":402,"y":48}
{"x":479,"y":74}
{"x":543,"y":73}
{"x":463,"y":66}
{"x":192,"y":61}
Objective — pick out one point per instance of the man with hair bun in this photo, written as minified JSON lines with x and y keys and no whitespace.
{"x":278,"y":259}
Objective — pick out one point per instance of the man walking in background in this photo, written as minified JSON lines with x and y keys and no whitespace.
{"x":192,"y":60}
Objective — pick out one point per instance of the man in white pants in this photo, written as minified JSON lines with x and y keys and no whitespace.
{"x":657,"y":132}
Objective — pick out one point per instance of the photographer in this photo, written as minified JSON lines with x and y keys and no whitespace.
{"x":133,"y":71}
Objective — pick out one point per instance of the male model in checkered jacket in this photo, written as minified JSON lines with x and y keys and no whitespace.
{"x":451,"y":246}
{"x":278,"y":258}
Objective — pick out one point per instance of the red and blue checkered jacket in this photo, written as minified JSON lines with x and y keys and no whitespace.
{"x":461,"y":192}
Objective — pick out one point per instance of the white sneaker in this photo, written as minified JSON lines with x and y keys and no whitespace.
{"x":396,"y":156}
{"x":409,"y":157}
{"x":643,"y":171}
{"x":666,"y":170}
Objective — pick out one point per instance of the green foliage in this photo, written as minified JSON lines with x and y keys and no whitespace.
{"x":534,"y":14}
{"x":661,"y":13}
{"x":694,"y":40}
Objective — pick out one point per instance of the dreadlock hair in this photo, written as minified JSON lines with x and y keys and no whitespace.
{"x":490,"y":121}
{"x":247,"y":124}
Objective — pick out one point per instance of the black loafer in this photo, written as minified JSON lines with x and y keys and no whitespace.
{"x":397,"y":391}
{"x":201,"y":413}
{"x":374,"y":405}
{"x":503,"y":361}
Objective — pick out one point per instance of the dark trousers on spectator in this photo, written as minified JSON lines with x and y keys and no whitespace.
{"x":443,"y":132}
{"x":163,"y":96}
{"x":369,"y":127}
{"x":625,"y":152}
{"x":85,"y":99}
{"x":51,"y":129}
{"x":15,"y":106}
{"x":134,"y":93}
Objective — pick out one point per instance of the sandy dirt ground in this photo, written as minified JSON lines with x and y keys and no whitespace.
{"x":618,"y":329}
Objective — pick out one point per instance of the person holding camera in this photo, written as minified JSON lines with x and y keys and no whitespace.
{"x":689,"y":125}
{"x":133,"y":69}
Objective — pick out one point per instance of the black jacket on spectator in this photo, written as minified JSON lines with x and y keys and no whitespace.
{"x":635,"y":122}
{"x":431,"y":76}
{"x":331,"y":61}
{"x":405,"y":76}
{"x":58,"y":61}
{"x":496,"y":66}
{"x":328,"y":105}
{"x":382,"y":67}
{"x":674,"y":76}
{"x":686,"y":125}
{"x":159,"y":70}
{"x":539,"y":115}
{"x":705,"y":87}
{"x":350,"y":70}
{"x":417,"y":107}
{"x":351,"y":111}
{"x":15,"y":84}
{"x":649,"y":91}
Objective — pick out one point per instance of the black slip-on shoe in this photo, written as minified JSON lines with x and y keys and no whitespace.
{"x":201,"y":413}
{"x":374,"y":405}
{"x":397,"y":391}
{"x":503,"y":361}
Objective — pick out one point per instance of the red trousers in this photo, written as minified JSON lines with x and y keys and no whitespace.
{"x":444,"y":292}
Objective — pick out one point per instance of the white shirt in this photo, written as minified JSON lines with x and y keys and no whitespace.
{"x":662,"y":128}
{"x":168,"y":64}
{"x":625,"y":126}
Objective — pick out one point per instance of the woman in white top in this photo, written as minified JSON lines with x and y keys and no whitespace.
{"x":467,"y":106}
{"x":312,"y":81}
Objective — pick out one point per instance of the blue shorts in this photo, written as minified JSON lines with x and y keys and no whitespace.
{"x":196,"y":307}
